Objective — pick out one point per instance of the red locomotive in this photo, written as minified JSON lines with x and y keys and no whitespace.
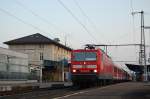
{"x":90,"y":65}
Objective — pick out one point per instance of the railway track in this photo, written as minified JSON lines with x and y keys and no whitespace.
{"x":47,"y":93}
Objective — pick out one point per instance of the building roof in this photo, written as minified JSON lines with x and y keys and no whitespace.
{"x":35,"y":39}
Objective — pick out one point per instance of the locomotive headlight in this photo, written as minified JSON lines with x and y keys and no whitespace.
{"x":73,"y":70}
{"x":95,"y":71}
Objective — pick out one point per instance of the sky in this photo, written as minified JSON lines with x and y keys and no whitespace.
{"x":77,"y":22}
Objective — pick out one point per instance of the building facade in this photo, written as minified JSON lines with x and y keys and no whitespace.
{"x":40,"y":49}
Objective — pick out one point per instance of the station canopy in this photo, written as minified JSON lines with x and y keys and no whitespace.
{"x":136,"y":68}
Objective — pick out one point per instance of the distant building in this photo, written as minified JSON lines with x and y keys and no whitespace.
{"x":41,"y":50}
{"x":13,"y":65}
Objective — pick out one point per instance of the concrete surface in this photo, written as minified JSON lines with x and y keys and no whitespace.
{"x":10,"y":85}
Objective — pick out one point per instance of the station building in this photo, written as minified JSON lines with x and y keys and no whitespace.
{"x":45,"y":53}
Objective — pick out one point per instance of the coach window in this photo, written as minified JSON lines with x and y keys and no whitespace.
{"x":115,"y":70}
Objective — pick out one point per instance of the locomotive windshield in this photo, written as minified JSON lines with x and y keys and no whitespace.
{"x":84,"y":56}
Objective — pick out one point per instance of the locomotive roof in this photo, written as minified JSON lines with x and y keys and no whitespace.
{"x":93,"y":50}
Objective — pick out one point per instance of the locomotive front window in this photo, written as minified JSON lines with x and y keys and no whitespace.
{"x":84,"y":56}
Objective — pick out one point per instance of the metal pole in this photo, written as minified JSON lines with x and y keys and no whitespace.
{"x":7,"y":64}
{"x":63,"y":69}
{"x":41,"y":73}
{"x":142,"y":54}
{"x":106,"y":49}
{"x":143,"y":42}
{"x":147,"y":70}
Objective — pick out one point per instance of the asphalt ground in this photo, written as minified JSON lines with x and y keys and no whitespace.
{"x":128,"y":90}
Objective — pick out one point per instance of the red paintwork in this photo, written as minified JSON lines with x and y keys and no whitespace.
{"x":104,"y":64}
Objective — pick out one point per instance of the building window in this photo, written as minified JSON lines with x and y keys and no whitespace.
{"x":41,"y":56}
{"x":41,"y":46}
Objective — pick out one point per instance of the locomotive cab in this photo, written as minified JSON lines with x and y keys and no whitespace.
{"x":84,"y":65}
{"x":84,"y":62}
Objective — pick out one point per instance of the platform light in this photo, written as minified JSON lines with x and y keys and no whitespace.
{"x":74,"y":70}
{"x":95,"y":71}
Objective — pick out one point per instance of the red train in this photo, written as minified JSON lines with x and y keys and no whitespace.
{"x":90,"y":66}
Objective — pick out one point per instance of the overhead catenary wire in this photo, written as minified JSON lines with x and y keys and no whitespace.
{"x":131,"y":5}
{"x":124,"y":61}
{"x":133,"y":25}
{"x":19,"y":19}
{"x":73,"y":15}
{"x":86,"y":16}
{"x":39,"y":16}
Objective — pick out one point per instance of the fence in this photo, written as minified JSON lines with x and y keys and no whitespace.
{"x":16,"y":72}
{"x":15,"y":68}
